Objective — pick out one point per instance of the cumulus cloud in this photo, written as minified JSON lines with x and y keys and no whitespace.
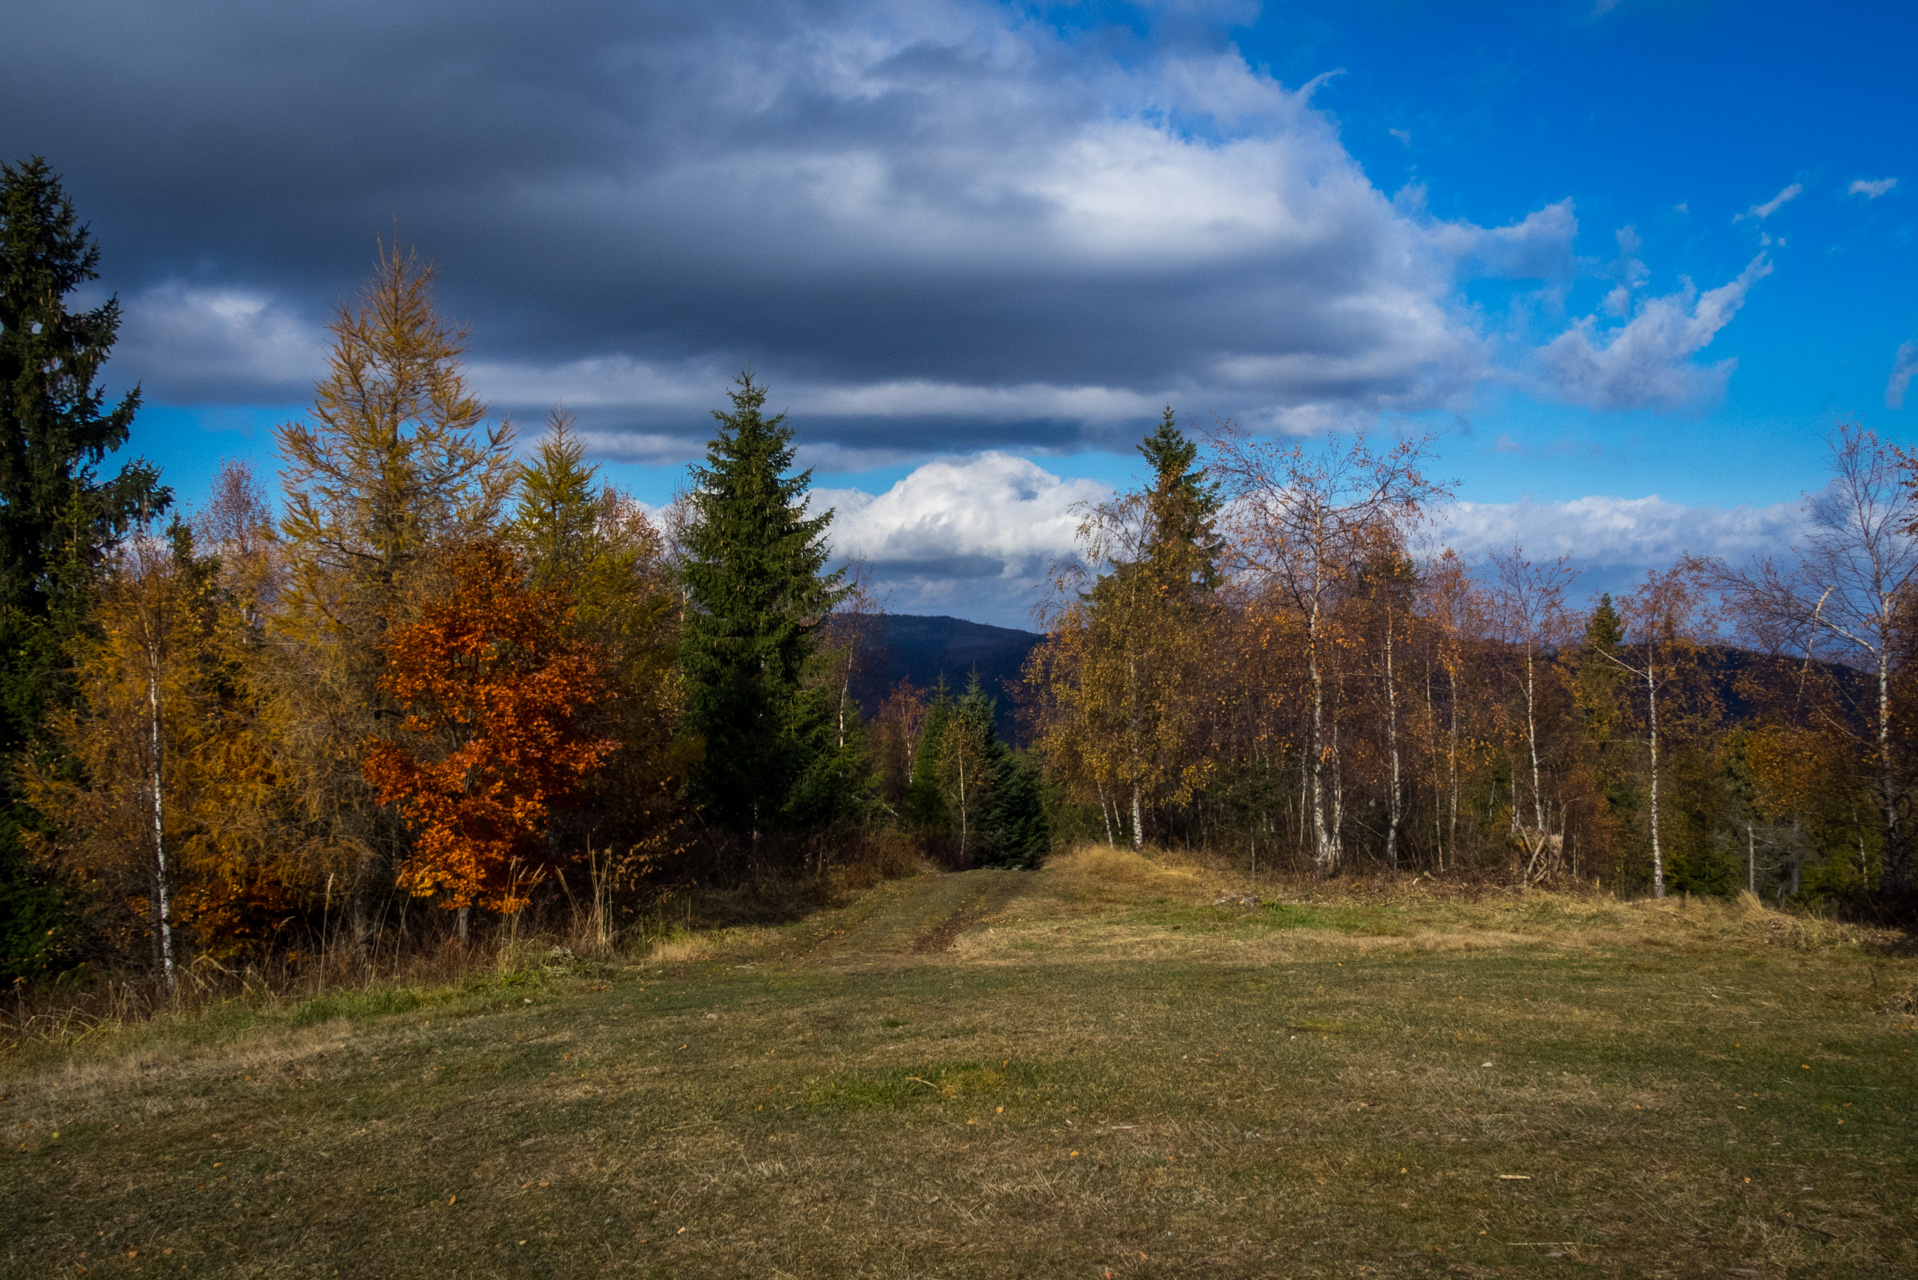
{"x":1904,"y":367}
{"x":1647,"y":362}
{"x":940,"y":215}
{"x":1871,"y":188}
{"x":1612,"y":542}
{"x":973,"y":536}
{"x":1613,"y":536}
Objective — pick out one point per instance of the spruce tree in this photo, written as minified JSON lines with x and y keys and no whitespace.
{"x":925,"y":807}
{"x":1011,"y":829}
{"x":988,"y":794}
{"x":969,"y":752}
{"x":1145,"y":622}
{"x":1598,"y":692}
{"x":58,"y":516}
{"x":755,"y":581}
{"x":1014,"y":828}
{"x":1183,"y":546}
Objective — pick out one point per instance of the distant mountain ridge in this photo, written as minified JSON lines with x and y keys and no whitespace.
{"x":922,"y":648}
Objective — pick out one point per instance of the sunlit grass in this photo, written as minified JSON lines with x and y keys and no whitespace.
{"x":1084,"y":1070}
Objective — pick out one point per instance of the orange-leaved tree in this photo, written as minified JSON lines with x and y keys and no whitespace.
{"x":493,"y":687}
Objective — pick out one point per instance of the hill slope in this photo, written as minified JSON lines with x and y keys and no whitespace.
{"x":922,"y":649}
{"x":1097,"y":1069}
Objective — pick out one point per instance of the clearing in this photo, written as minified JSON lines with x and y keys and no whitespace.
{"x":1094,"y":1070}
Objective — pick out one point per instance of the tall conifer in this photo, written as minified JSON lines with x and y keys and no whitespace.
{"x":596,"y":546}
{"x":57,"y":515}
{"x":755,"y":579}
{"x":925,"y":807}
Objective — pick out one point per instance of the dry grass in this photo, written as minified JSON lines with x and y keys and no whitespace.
{"x":1084,"y":1071}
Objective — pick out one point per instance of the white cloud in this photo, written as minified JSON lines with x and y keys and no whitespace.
{"x":190,"y":343}
{"x":1771,"y":206}
{"x":1538,"y":247}
{"x":1871,"y":189}
{"x":1646,"y":363}
{"x":972,"y":536}
{"x":1628,"y":269}
{"x":1609,"y":536}
{"x":1904,"y":367}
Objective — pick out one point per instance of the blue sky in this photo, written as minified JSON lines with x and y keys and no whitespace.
{"x":1610,"y":253}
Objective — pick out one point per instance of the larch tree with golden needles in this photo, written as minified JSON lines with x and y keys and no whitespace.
{"x":395,"y":463}
{"x":164,"y":815}
{"x":493,"y":690}
{"x":135,"y":672}
{"x":1119,"y":654}
{"x":599,"y":548}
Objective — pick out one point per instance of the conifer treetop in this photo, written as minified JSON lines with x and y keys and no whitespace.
{"x":54,"y":426}
{"x":557,"y":521}
{"x":747,"y":506}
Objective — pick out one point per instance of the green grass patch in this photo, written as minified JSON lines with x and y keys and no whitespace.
{"x":931,"y":1084}
{"x":1409,"y":1088}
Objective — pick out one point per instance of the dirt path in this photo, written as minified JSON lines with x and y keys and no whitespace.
{"x":923,"y":916}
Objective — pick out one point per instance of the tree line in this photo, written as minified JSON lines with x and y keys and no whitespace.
{"x":433,"y":684}
{"x":1264,"y":653}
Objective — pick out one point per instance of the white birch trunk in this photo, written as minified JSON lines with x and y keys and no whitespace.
{"x":1894,"y":855}
{"x":1451,"y":764}
{"x":163,"y":889}
{"x":1531,"y":739}
{"x":1392,"y":736}
{"x":1651,"y":706}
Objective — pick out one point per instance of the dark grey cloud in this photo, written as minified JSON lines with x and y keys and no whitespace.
{"x":929,"y":225}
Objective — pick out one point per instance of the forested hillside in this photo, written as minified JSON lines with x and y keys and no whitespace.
{"x":926,"y":650}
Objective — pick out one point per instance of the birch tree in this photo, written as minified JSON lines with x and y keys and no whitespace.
{"x":1661,"y":621}
{"x":1528,"y":601}
{"x":1296,"y":518}
{"x":165,"y":806}
{"x":1842,"y":595}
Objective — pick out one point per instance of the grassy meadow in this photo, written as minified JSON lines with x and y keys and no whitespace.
{"x":1096,"y":1070}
